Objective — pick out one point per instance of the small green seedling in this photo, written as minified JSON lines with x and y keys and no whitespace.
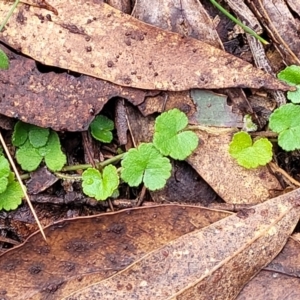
{"x":35,"y":144}
{"x":101,"y":129}
{"x":249,"y":125}
{"x":248,"y":154}
{"x":4,"y":61}
{"x":147,"y":163}
{"x":171,"y":137}
{"x":10,"y":190}
{"x":100,"y":185}
{"x":291,"y":75}
{"x":285,"y":120}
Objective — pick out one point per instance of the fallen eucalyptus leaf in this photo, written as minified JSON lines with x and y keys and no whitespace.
{"x":52,"y":99}
{"x":211,"y":263}
{"x":281,"y":277}
{"x":85,"y":250}
{"x":100,"y":41}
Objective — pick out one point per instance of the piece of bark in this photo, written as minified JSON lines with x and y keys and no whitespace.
{"x":282,"y":27}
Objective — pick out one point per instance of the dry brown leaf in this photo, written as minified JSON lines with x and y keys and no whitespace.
{"x":85,"y":250}
{"x":253,"y":186}
{"x":185,"y":17}
{"x":281,"y":277}
{"x":212,"y":263}
{"x":61,"y":101}
{"x":103,"y":42}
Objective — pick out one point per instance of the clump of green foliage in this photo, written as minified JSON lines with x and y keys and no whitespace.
{"x":285,"y":121}
{"x":10,"y":190}
{"x":147,"y":163}
{"x":35,"y":144}
{"x":249,"y":154}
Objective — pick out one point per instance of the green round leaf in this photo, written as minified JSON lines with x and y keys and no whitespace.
{"x":290,"y":75}
{"x":11,"y":198}
{"x":169,"y":138}
{"x":55,"y":159}
{"x":240,"y":141}
{"x":20,"y":134}
{"x":38,"y":136}
{"x":100,"y":186}
{"x":101,"y":128}
{"x":4,"y":173}
{"x":295,"y":95}
{"x":28,"y":157}
{"x":3,"y":184}
{"x":145,"y":164}
{"x":4,"y":61}
{"x":248,"y":155}
{"x":285,"y":120}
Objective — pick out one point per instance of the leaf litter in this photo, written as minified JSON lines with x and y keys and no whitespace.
{"x":53,"y":99}
{"x":113,"y":242}
{"x":214,"y":262}
{"x":246,"y":212}
{"x":84,"y":43}
{"x":211,"y":159}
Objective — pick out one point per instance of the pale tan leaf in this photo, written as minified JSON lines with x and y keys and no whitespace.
{"x":233,"y":183}
{"x":281,"y":277}
{"x":212,"y":263}
{"x":103,"y":42}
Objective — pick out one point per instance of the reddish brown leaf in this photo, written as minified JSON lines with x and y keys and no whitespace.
{"x":59,"y":100}
{"x":84,"y":250}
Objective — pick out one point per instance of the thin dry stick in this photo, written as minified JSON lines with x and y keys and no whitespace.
{"x":130,"y":130}
{"x":22,"y":185}
{"x":286,"y":176}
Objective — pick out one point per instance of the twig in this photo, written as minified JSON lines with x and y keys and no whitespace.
{"x":285,"y":175}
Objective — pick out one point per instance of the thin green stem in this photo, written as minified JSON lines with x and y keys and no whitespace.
{"x":9,"y":14}
{"x":76,"y":167}
{"x":109,"y":161}
{"x":67,"y":177}
{"x":235,"y":20}
{"x":100,"y":165}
